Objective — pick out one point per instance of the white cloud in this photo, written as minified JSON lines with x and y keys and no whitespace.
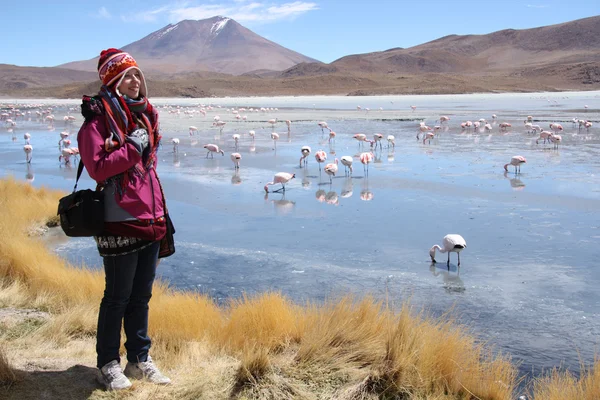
{"x":103,"y":13}
{"x":239,"y":10}
{"x":536,"y":6}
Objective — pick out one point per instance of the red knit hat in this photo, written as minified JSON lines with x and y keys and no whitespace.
{"x":113,"y":64}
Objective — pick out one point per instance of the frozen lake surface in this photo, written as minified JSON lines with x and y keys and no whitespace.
{"x":528,"y":281}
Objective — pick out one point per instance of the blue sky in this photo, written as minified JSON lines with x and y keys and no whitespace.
{"x":42,"y":33}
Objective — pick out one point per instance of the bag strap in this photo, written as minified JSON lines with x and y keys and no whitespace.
{"x":79,"y":171}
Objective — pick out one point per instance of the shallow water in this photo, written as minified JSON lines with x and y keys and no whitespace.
{"x":528,"y":278}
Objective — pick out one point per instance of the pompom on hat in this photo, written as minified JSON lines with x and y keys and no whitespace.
{"x":113,"y":64}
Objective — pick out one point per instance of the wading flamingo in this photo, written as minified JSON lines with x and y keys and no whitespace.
{"x":193,"y":129}
{"x":27,"y":136}
{"x":323,"y":125}
{"x":428,"y":136}
{"x":213,"y":148}
{"x":366,"y":159}
{"x":391,"y":140}
{"x":175,"y":142}
{"x":516,"y":161}
{"x":556,"y":139}
{"x":331,"y":136}
{"x":28,"y":149}
{"x":347,"y":163}
{"x":236,"y":140}
{"x":282,"y":178}
{"x":321,"y":157}
{"x":377,"y":140}
{"x":236,"y":157}
{"x":272,"y":122}
{"x":452,"y":243}
{"x":252,"y":134}
{"x":219,"y":124}
{"x":275,"y":137}
{"x":544,"y":135}
{"x":331,"y":169}
{"x":361,"y":138}
{"x":305,"y":150}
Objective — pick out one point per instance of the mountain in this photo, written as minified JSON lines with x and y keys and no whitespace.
{"x":15,"y":78}
{"x":216,"y":44}
{"x":506,"y":50}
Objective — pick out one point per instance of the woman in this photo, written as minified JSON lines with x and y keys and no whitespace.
{"x":118,"y":143}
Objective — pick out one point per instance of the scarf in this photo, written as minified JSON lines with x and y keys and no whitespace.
{"x":119,"y":112}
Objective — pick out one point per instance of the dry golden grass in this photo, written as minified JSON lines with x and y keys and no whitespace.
{"x":256,"y":347}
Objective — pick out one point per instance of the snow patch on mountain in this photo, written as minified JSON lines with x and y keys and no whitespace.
{"x":169,"y":29}
{"x":218,"y":26}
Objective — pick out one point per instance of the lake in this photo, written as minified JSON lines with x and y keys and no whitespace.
{"x":528,"y":280}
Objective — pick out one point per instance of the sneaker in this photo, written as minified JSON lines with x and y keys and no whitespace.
{"x":146,"y":370}
{"x":112,"y":378}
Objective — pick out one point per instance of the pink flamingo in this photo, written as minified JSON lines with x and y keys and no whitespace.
{"x":391,"y":140}
{"x":305,"y":150}
{"x":289,"y":125}
{"x":516,"y":161}
{"x":361,"y":138}
{"x":331,"y":136}
{"x":275,"y":137}
{"x":556,"y":127}
{"x":193,"y":129}
{"x":428,"y":136}
{"x":443,"y":119}
{"x":504,"y":126}
{"x":544,"y":135}
{"x":556,"y":139}
{"x":282,"y":178}
{"x":347,"y":163}
{"x":366,"y":159}
{"x":213,"y":148}
{"x":413,"y":108}
{"x":272,"y":122}
{"x":28,"y":149}
{"x":175,"y":142}
{"x":331,"y":169}
{"x":321,"y":157}
{"x":452,"y":243}
{"x":323,"y":125}
{"x":26,"y":136}
{"x":236,"y":157}
{"x":377,"y":140}
{"x":66,"y":154}
{"x":219,"y":124}
{"x":423,"y":129}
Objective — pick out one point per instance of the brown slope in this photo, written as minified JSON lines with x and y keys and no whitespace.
{"x":216,"y":44}
{"x":13,"y":77}
{"x":571,"y":42}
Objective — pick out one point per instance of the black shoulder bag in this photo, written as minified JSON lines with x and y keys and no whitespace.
{"x":82,"y":212}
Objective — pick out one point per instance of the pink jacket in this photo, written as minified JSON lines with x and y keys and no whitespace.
{"x":142,"y":197}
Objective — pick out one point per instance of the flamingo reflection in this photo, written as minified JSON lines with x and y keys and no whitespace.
{"x":452,"y":282}
{"x":282,"y":205}
{"x":515,"y":183}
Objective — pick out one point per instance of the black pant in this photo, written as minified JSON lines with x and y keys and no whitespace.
{"x":128,"y":290}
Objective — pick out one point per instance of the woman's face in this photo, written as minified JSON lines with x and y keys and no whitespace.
{"x":130,"y":85}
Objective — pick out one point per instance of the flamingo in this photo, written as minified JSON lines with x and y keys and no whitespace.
{"x":424,"y":128}
{"x":213,"y":148}
{"x":321,"y":157}
{"x":305,"y":150}
{"x":516,"y":161}
{"x":347,"y":162}
{"x":63,"y":136}
{"x":66,"y":153}
{"x":487,"y":127}
{"x":323,"y":125}
{"x":556,"y":139}
{"x":544,"y":135}
{"x":377,"y":140}
{"x":28,"y":149}
{"x":504,"y":126}
{"x":193,"y":129}
{"x":331,"y":169}
{"x":289,"y":125}
{"x":282,"y":178}
{"x":361,"y":137}
{"x":366,"y":159}
{"x":413,"y":108}
{"x":236,"y":139}
{"x":252,"y":134}
{"x":175,"y":142}
{"x":272,"y":122}
{"x":236,"y":157}
{"x":26,"y":136}
{"x":443,"y":119}
{"x":452,"y":243}
{"x":556,"y":127}
{"x":331,"y":136}
{"x":391,"y":140}
{"x":275,"y":137}
{"x":428,"y":136}
{"x":219,"y":124}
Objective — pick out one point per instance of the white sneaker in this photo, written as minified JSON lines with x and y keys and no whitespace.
{"x":146,"y":370}
{"x":112,"y":378}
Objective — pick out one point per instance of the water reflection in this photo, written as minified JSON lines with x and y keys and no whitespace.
{"x":347,"y":189}
{"x":282,"y":206}
{"x":390,"y":155}
{"x":176,"y":162}
{"x":235,"y":178}
{"x":29,"y":175}
{"x":320,"y":195}
{"x":305,"y":180}
{"x":515,"y":182}
{"x":452,"y":281}
{"x":332,"y":198}
{"x":365,"y":193}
